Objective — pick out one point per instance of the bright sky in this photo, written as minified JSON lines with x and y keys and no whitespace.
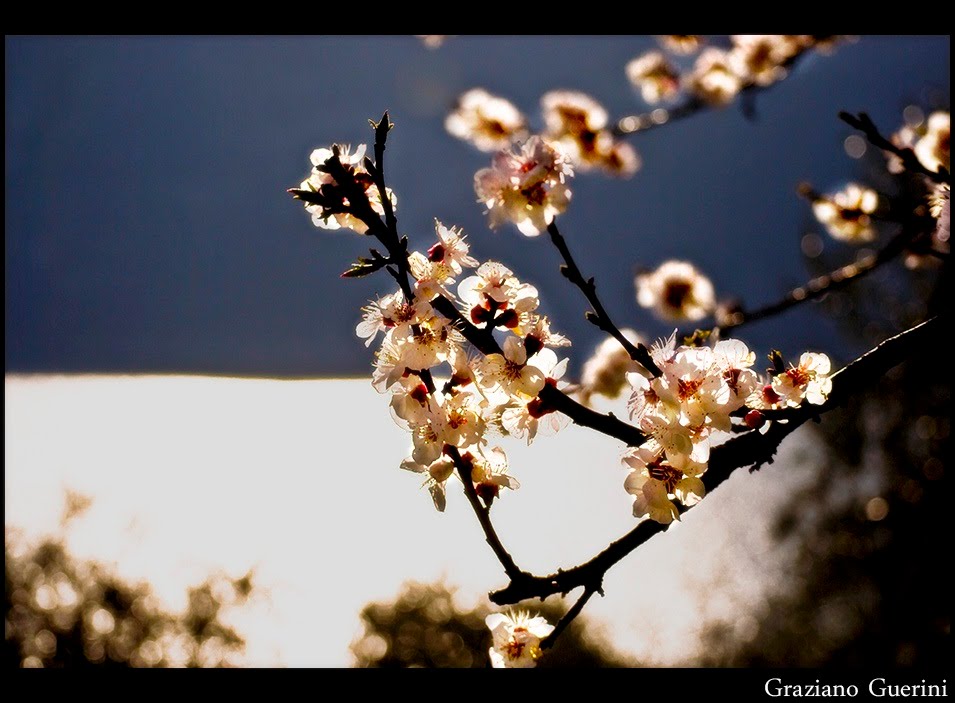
{"x":300,"y":480}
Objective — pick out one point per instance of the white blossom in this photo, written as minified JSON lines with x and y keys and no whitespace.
{"x":676,"y":290}
{"x":487,"y":121}
{"x":517,"y":639}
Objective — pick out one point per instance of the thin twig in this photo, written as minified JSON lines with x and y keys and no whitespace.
{"x":483,"y":514}
{"x":598,"y":316}
{"x":568,"y":618}
{"x":752,"y":449}
{"x":820,"y":285}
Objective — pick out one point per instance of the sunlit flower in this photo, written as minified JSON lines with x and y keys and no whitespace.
{"x":527,"y":187}
{"x":676,"y":291}
{"x":335,"y":213}
{"x":526,"y":417}
{"x":809,"y":380}
{"x":494,"y":294}
{"x":489,"y":473}
{"x":655,"y":483}
{"x":451,"y":248}
{"x":579,"y":124}
{"x":511,"y":372}
{"x":390,"y":312}
{"x":437,"y":472}
{"x":654,"y":76}
{"x":846,"y":215}
{"x":487,"y":121}
{"x":940,"y":207}
{"x":537,"y":332}
{"x":734,"y":359}
{"x":713,"y":79}
{"x":760,"y":57}
{"x":934,"y":149}
{"x":517,"y":639}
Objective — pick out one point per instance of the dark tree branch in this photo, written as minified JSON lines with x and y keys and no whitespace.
{"x":820,"y":285}
{"x":568,"y":618}
{"x":598,"y":316}
{"x":752,"y":449}
{"x":483,"y":514}
{"x":910,"y":161}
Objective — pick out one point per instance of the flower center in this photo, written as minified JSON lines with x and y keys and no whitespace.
{"x":665,"y":473}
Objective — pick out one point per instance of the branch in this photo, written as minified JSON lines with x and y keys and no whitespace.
{"x":819,"y":286}
{"x":598,"y":316}
{"x":752,"y":449}
{"x":484,"y":517}
{"x":568,"y":618}
{"x":692,"y":105}
{"x":483,"y":341}
{"x":910,"y":161}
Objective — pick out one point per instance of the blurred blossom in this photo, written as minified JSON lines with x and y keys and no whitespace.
{"x":487,"y":121}
{"x":656,"y":78}
{"x":682,"y":43}
{"x":940,"y":209}
{"x":713,"y":78}
{"x":434,"y":41}
{"x":676,"y":290}
{"x":580,"y":125}
{"x":760,"y":57}
{"x":605,"y":372}
{"x":846,"y":214}
{"x":934,"y":148}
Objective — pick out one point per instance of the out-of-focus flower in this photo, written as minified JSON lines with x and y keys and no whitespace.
{"x":939,"y":205}
{"x":846,"y":215}
{"x":580,"y":125}
{"x":713,"y":78}
{"x":517,"y":639}
{"x":487,"y":121}
{"x":676,"y":290}
{"x":434,"y":41}
{"x":605,"y":372}
{"x":809,"y":380}
{"x":654,"y":76}
{"x":934,"y":148}
{"x":526,"y":186}
{"x":759,"y":58}
{"x":681,"y":43}
{"x":335,"y":212}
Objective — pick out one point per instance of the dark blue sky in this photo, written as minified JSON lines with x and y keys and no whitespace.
{"x":148,"y":229}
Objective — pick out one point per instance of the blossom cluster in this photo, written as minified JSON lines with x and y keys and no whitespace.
{"x":573,"y":120}
{"x":449,"y":422}
{"x":697,"y":393}
{"x":718,"y":75}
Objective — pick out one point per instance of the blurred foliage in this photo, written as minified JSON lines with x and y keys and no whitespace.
{"x":63,"y":612}
{"x":868,"y":581}
{"x":424,"y":627}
